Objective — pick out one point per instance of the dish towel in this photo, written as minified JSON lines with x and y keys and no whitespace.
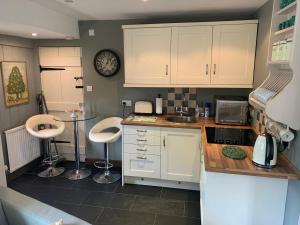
{"x":263,"y":95}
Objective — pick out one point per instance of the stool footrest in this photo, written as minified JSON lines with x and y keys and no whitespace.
{"x":54,"y":159}
{"x":103,"y":165}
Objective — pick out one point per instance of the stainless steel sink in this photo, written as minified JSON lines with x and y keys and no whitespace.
{"x":182,"y":119}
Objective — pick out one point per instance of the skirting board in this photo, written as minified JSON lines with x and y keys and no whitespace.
{"x":160,"y":183}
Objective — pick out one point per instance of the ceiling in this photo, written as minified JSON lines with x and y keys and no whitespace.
{"x":134,"y":9}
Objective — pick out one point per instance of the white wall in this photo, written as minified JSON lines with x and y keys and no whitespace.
{"x":23,"y":17}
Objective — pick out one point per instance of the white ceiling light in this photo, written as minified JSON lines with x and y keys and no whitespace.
{"x":33,"y":34}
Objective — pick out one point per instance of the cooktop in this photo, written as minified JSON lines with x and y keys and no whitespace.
{"x":230,"y":136}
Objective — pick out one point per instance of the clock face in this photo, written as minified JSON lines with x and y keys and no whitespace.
{"x":107,"y":63}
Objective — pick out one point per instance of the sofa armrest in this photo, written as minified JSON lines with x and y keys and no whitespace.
{"x":23,"y":210}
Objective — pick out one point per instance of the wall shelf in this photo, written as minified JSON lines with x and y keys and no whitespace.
{"x":284,"y":31}
{"x":279,"y":62}
{"x":283,"y":79}
{"x":288,"y":9}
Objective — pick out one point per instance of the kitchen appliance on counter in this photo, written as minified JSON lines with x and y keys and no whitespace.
{"x":231,"y":110}
{"x":143,"y":107}
{"x":265,"y":151}
{"x":230,"y":136}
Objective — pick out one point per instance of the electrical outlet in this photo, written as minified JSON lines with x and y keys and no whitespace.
{"x":127,"y":103}
{"x":89,"y":88}
{"x":91,"y":32}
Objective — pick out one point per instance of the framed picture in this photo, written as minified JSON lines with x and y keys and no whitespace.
{"x":15,"y":85}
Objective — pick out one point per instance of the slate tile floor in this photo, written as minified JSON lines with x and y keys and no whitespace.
{"x":113,"y":204}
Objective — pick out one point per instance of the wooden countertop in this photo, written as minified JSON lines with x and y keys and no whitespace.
{"x":215,"y":161}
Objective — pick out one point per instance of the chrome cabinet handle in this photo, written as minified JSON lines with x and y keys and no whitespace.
{"x":164,"y":142}
{"x":141,"y":150}
{"x":215,"y":68}
{"x":142,"y":131}
{"x":141,"y":140}
{"x":206,"y":69}
{"x":167,"y":69}
{"x":141,"y":157}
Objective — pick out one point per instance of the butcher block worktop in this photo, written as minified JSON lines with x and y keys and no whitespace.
{"x":215,"y":161}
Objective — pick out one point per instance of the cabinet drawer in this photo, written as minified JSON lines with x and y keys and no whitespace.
{"x":145,"y":149}
{"x":140,"y":165}
{"x":142,"y":131}
{"x":141,"y":141}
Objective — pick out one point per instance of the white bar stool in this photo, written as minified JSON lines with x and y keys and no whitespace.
{"x":99,"y":135}
{"x":52,"y":128}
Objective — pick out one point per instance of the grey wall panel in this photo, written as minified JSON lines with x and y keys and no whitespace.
{"x":264,"y":16}
{"x":17,"y":115}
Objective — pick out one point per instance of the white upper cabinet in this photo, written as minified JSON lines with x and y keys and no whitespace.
{"x":147,"y":56}
{"x":191,"y":55}
{"x":209,"y":54}
{"x":233,"y":54}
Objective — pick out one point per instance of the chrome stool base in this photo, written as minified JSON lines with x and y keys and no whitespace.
{"x":106,"y":177}
{"x":78,"y":174}
{"x":51,"y":172}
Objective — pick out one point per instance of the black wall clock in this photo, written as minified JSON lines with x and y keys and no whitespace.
{"x":107,"y":63}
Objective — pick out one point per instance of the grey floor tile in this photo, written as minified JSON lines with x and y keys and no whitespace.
{"x":178,"y":194}
{"x":24,"y":179}
{"x":58,"y":182}
{"x":112,"y":200}
{"x":90,"y":185}
{"x":124,"y":217}
{"x":140,"y":190}
{"x":69,"y":195}
{"x":86,"y":213}
{"x":158,"y":205}
{"x":192,"y":209}
{"x":42,"y":194}
{"x":175,"y":220}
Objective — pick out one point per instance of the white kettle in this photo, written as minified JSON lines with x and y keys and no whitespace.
{"x":265,"y":151}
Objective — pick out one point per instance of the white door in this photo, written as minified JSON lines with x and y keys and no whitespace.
{"x":180,"y":154}
{"x":233,"y":54}
{"x":191,"y":55}
{"x":63,"y":92}
{"x":147,"y":56}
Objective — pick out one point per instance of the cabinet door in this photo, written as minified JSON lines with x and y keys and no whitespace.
{"x":147,"y":55}
{"x":191,"y":55}
{"x":233,"y":54}
{"x":142,"y":165}
{"x":180,"y":155}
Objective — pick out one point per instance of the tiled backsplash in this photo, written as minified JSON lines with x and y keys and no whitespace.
{"x":186,"y":97}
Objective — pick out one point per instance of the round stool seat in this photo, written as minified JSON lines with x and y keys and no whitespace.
{"x":99,"y":134}
{"x":56,"y":128}
{"x":96,"y":134}
{"x":52,"y":128}
{"x":105,"y":137}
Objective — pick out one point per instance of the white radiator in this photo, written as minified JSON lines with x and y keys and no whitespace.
{"x":22,"y":147}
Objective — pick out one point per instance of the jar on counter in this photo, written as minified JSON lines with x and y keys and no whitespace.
{"x":281,"y":50}
{"x":289,"y":46}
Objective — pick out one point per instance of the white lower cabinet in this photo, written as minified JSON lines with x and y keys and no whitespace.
{"x":180,"y":154}
{"x":231,"y":199}
{"x":167,"y":154}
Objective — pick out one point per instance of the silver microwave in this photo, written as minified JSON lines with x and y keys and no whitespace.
{"x":231,"y":110}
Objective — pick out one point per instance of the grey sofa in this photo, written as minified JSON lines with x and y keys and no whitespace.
{"x":18,"y":209}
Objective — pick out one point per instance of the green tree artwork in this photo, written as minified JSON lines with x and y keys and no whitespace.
{"x":16,"y":83}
